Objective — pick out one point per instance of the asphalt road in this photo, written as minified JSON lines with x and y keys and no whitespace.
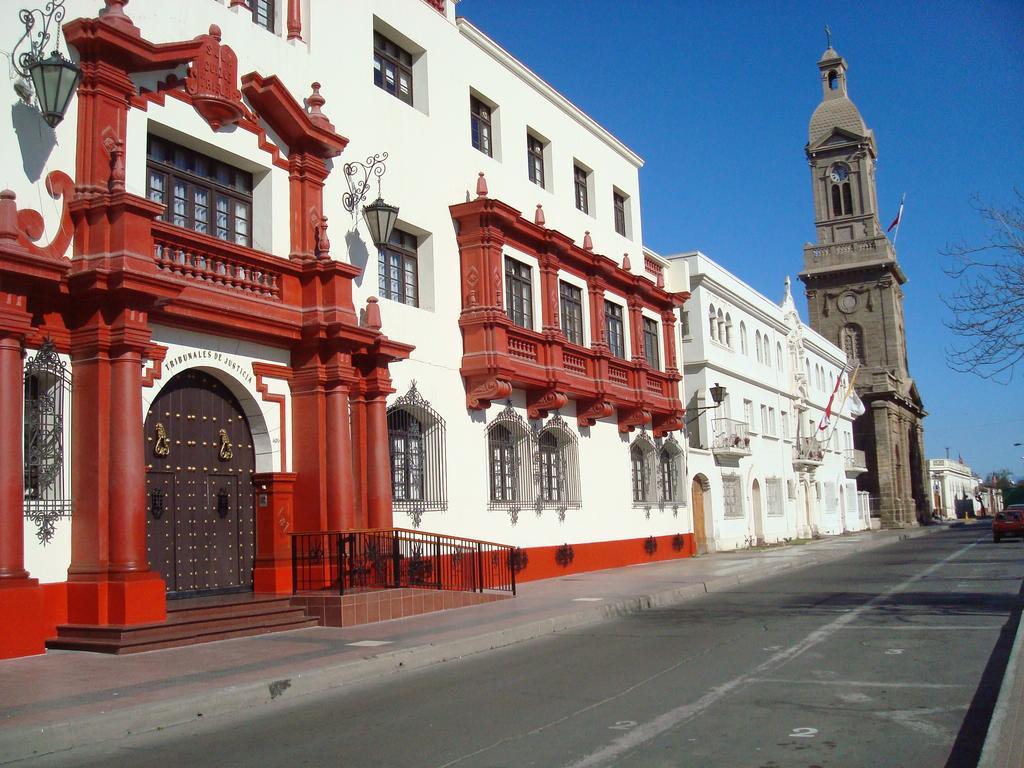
{"x":891,"y":657}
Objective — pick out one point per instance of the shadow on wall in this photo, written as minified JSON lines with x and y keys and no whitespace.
{"x":35,"y":138}
{"x":358,"y":254}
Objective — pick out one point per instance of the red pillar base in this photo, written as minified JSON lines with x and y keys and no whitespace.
{"x":275,"y":518}
{"x":23,"y":618}
{"x":134,"y":598}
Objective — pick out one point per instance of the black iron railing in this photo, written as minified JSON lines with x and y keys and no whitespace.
{"x":345,"y":561}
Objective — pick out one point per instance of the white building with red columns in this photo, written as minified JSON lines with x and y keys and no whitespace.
{"x":204,"y":351}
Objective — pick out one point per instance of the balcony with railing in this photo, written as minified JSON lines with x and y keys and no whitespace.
{"x":855,"y":461}
{"x":808,"y":454}
{"x":730,"y":439}
{"x":193,"y":256}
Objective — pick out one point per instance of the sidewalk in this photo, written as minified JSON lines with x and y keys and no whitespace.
{"x":66,"y":699}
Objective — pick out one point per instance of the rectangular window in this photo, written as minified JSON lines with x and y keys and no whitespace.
{"x":571,"y":307}
{"x":194,"y":186}
{"x":398,"y":269}
{"x":480,"y":126}
{"x":771,"y":422}
{"x":684,"y":324}
{"x":619,"y":205}
{"x":392,"y":68}
{"x":518,"y":293}
{"x":263,"y":13}
{"x":579,"y":179}
{"x":651,"y":343}
{"x":775,"y":508}
{"x":748,"y":414}
{"x":784,"y":423}
{"x":535,"y":159}
{"x":764,"y":419}
{"x":614,"y":329}
{"x":731,"y":496}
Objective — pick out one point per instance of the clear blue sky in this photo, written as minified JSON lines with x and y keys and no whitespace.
{"x":716,"y":98}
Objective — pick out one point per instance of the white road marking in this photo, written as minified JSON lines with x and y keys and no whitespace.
{"x":853,"y":683}
{"x":674,"y":717}
{"x":924,"y":628}
{"x":803,"y":733}
{"x":370,"y":643}
{"x":588,"y":599}
{"x":911,"y":718}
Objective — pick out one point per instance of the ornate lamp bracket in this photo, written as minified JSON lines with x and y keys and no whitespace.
{"x":374,"y":167}
{"x":52,"y":14}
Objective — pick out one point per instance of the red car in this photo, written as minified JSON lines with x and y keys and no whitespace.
{"x":1009,"y":522}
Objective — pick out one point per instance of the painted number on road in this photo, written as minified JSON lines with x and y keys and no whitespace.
{"x":622,"y":725}
{"x":894,"y":652}
{"x":803,"y":733}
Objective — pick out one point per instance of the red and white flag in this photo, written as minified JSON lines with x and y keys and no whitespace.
{"x":896,"y":222}
{"x":826,"y":418}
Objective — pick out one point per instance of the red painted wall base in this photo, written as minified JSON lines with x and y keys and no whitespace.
{"x":272,"y":578}
{"x":22,"y":618}
{"x":547,"y":562}
{"x":129,"y":599}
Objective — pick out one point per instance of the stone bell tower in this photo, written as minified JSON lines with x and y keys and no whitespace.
{"x":855,"y":299}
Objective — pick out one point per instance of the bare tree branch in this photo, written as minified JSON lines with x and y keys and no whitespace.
{"x":987,"y":304}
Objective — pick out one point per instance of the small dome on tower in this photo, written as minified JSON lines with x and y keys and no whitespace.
{"x":835,"y":113}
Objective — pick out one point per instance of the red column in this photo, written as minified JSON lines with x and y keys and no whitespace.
{"x":340,"y":498}
{"x":294,"y":20}
{"x":274,"y":521}
{"x":127,"y":464}
{"x":378,"y":464}
{"x":636,"y":331}
{"x":12,"y":490}
{"x":357,"y":402}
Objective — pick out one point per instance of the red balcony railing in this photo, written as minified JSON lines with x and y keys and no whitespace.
{"x":194,"y":256}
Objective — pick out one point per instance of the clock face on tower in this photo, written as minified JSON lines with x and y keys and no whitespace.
{"x":840,"y":173}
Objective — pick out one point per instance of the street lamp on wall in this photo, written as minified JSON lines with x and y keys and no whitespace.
{"x":380,"y":216}
{"x":718,"y":394}
{"x":54,"y":78}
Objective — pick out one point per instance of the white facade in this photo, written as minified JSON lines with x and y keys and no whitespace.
{"x":769,"y":473}
{"x":955,"y":491}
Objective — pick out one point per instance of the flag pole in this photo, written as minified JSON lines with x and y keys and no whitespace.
{"x":899,"y":219}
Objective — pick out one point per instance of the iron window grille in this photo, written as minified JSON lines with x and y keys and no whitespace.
{"x":480,"y":126}
{"x":199,"y":193}
{"x":619,"y":206}
{"x":510,"y":452}
{"x":651,"y":343}
{"x":557,"y":466}
{"x":263,"y":13}
{"x":417,"y":438}
{"x":642,"y":454}
{"x":571,"y":307}
{"x":579,"y":178}
{"x":731,"y":496}
{"x":47,"y":388}
{"x":398,"y":269}
{"x":535,"y":160}
{"x":392,"y":68}
{"x":614,"y":329}
{"x":775,"y":503}
{"x":518,"y":293}
{"x":670,"y":473}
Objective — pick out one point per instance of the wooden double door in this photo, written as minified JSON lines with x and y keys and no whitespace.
{"x":200,"y":517}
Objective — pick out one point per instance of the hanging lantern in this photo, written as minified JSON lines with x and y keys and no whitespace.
{"x":380,"y":218}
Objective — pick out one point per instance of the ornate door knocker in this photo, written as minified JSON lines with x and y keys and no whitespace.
{"x":225,"y":446}
{"x":163,"y":445}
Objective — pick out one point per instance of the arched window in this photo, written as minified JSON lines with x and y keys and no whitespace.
{"x":767,"y":350}
{"x":504,"y":467}
{"x":847,"y":199}
{"x":728,"y":330}
{"x":757,"y":345}
{"x":721,"y":326}
{"x":47,"y":390}
{"x":417,"y":439}
{"x":670,"y":473}
{"x":642,"y":457}
{"x":509,"y":456}
{"x":557,"y":465}
{"x":833,"y":80}
{"x":837,"y":201}
{"x":743,"y":338}
{"x":778,"y":355}
{"x":713,"y":323}
{"x":842,"y":199}
{"x":852,"y":342}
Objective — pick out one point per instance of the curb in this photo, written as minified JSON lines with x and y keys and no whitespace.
{"x":111,"y":725}
{"x":1004,"y":742}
